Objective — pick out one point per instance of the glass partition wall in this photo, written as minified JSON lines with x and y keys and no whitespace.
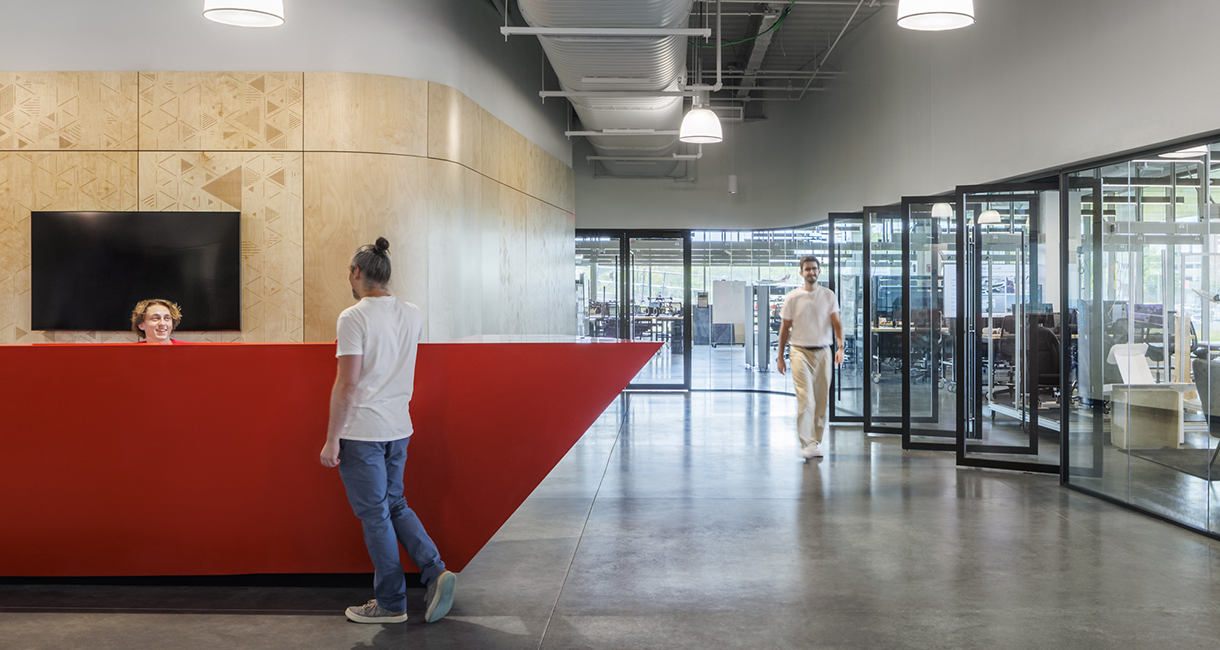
{"x":630,"y":284}
{"x":1011,"y":392}
{"x":885,"y":258}
{"x":1144,"y":275}
{"x":930,"y":308}
{"x":599,"y":283}
{"x":846,"y":262}
{"x":739,"y":279}
{"x":636,"y":286}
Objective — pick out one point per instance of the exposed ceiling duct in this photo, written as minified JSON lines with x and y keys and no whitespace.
{"x":623,"y":65}
{"x":635,"y":64}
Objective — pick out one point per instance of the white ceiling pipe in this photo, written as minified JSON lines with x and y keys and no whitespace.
{"x":603,"y":32}
{"x":676,"y":156}
{"x":719,"y":73}
{"x":619,"y":132}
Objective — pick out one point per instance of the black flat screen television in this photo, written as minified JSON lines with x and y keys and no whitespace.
{"x":89,"y":269}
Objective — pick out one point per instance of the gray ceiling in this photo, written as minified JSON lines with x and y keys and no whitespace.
{"x":799,"y":44}
{"x":798,"y":47}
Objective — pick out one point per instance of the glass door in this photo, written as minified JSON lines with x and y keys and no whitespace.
{"x":635,"y":286}
{"x":1011,"y":365}
{"x":885,"y":260}
{"x":658,"y":305}
{"x":599,"y":285}
{"x":846,"y":261}
{"x":930,"y":308}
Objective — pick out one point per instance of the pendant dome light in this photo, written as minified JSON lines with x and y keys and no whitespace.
{"x":935,"y":15}
{"x":942,"y":211}
{"x":245,"y":13}
{"x":700,"y":126}
{"x":990,"y":217}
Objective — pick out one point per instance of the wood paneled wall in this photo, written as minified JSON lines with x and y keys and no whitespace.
{"x":480,"y":220}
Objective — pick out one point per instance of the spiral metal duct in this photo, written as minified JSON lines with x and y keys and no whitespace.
{"x":624,"y":63}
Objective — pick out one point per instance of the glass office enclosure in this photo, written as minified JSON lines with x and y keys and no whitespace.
{"x":1012,"y":327}
{"x":1143,"y":235}
{"x":846,"y":262}
{"x":885,"y":259}
{"x":635,"y":285}
{"x":930,"y":308}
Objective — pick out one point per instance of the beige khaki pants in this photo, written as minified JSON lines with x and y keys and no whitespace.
{"x":811,"y":379}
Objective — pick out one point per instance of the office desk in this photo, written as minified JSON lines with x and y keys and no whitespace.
{"x":219,"y":474}
{"x":670,"y":329}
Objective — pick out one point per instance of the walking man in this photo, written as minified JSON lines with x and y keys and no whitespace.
{"x":370,"y":426}
{"x":810,"y":314}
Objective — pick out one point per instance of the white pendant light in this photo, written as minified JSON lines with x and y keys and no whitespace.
{"x":989,"y":217}
{"x":245,"y":13}
{"x":700,"y":126}
{"x":942,"y":211}
{"x":1193,"y":152}
{"x":935,"y":15}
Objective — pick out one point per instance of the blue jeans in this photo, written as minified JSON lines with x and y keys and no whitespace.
{"x":372,"y":473}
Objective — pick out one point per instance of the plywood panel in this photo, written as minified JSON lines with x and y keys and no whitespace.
{"x":455,"y":127}
{"x":350,"y":200}
{"x":490,"y":226}
{"x":491,"y":138}
{"x":563,"y":302}
{"x":524,"y":166}
{"x":546,"y":178}
{"x":267,"y":189}
{"x":514,"y":262}
{"x":51,"y":181}
{"x":514,"y":156}
{"x":563,"y":188}
{"x":366,"y":113}
{"x":68,"y":110}
{"x":542,"y":250}
{"x":221,"y":111}
{"x":455,"y":253}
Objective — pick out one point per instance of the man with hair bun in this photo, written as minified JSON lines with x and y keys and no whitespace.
{"x":367,"y":436}
{"x":810,"y":314}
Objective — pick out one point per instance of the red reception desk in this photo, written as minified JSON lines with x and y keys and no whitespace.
{"x":137,"y":460}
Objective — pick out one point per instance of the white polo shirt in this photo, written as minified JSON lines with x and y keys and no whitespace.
{"x":386,"y":332}
{"x":810,"y":313}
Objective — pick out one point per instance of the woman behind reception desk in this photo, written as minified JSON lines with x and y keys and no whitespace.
{"x":155,"y":320}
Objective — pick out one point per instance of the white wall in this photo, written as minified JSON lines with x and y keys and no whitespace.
{"x":767,"y":168}
{"x":453,"y":42}
{"x":1032,"y":86}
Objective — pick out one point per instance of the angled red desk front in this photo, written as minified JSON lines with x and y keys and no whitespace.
{"x":135,"y":460}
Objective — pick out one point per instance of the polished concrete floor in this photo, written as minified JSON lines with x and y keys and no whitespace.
{"x":687,"y":521}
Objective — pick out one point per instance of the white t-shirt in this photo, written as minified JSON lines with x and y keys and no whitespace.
{"x":810,"y":313}
{"x":386,"y":332}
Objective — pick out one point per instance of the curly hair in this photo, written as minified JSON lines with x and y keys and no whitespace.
{"x":137,"y":314}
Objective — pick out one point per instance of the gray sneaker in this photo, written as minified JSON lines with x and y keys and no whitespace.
{"x":371,"y":612}
{"x":440,"y":596}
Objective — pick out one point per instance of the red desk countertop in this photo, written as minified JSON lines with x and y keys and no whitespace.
{"x":125,"y":459}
